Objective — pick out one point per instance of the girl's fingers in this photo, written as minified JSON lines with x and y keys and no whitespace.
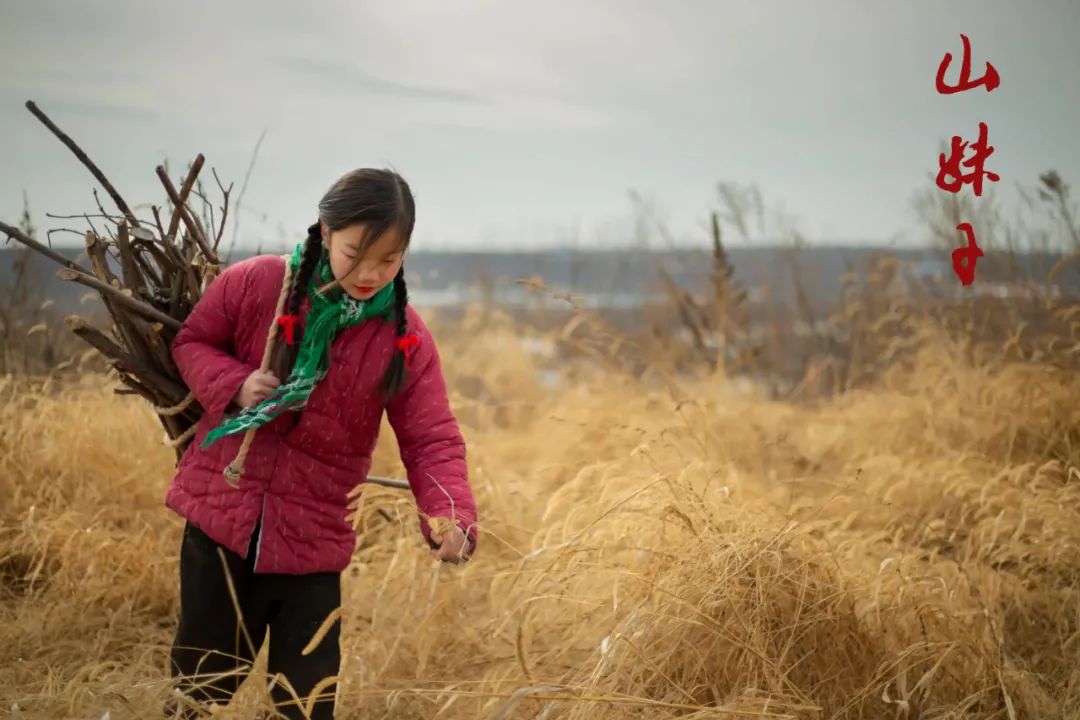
{"x":451,"y":545}
{"x":261,"y":394}
{"x":265,"y":388}
{"x":446,"y":557}
{"x":264,"y":381}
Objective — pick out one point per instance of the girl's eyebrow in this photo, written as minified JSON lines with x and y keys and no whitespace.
{"x":351,"y":250}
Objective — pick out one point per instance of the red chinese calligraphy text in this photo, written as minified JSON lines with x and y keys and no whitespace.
{"x":950,"y":177}
{"x":964,"y":258}
{"x":991,"y":79}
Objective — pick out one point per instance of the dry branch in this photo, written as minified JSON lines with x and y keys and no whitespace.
{"x":123,"y":206}
{"x":99,"y":260}
{"x":120,"y":297}
{"x":181,"y":210}
{"x":166,"y":387}
{"x":132,"y":276}
{"x":388,"y":482}
{"x":16,"y":234}
{"x":148,"y":282}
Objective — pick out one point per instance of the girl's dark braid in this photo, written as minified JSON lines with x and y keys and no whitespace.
{"x":284,"y":356}
{"x":313,"y":249}
{"x":394,"y":379}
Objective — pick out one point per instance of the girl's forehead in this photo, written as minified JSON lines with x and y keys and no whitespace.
{"x":353,"y":237}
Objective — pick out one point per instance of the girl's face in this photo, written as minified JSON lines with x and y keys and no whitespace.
{"x":362,"y":277}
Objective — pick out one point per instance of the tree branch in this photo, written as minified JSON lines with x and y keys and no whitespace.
{"x":387,"y":482}
{"x":123,"y":206}
{"x":121,"y":298}
{"x":167,"y":387}
{"x":224,"y":208}
{"x":181,"y":211}
{"x":16,"y":234}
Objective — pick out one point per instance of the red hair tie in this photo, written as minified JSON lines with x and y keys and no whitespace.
{"x":406,"y":344}
{"x":289,"y":323}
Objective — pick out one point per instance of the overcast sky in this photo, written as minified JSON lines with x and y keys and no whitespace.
{"x":515,"y":122}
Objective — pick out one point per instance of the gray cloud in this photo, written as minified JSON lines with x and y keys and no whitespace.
{"x":358,"y":81}
{"x":509,"y":115}
{"x":81,"y":110}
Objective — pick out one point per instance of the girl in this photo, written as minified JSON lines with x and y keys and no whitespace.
{"x":349,"y":346}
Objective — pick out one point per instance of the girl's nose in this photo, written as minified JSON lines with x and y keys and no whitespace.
{"x":362,"y":272}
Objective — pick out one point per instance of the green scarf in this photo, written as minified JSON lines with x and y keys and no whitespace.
{"x":329,"y":313}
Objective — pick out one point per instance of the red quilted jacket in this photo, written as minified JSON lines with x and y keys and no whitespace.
{"x":302,"y":465}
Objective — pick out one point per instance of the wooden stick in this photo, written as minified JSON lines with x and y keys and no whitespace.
{"x":236,"y":467}
{"x":16,"y":234}
{"x":165,"y":264}
{"x":170,"y":391}
{"x":148,"y":270}
{"x":99,"y":260}
{"x":157,"y":221}
{"x":224,"y":209}
{"x":182,"y":210}
{"x":150,"y":337}
{"x":175,"y":292}
{"x":123,"y":206}
{"x":134,"y":384}
{"x":132,"y":277}
{"x":189,"y":268}
{"x":127,"y":326}
{"x":121,"y":298}
{"x":185,"y":188}
{"x":388,"y":482}
{"x":96,"y":338}
{"x":161,"y":348}
{"x":95,"y":251}
{"x":175,"y":258}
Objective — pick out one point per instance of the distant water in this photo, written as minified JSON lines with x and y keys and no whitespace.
{"x":517,"y":296}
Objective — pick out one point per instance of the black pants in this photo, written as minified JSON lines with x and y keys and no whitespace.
{"x":212,"y":648}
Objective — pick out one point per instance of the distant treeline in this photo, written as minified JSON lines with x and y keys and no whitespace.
{"x":821,"y":270}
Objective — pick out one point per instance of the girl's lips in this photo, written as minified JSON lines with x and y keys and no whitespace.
{"x":364,"y":288}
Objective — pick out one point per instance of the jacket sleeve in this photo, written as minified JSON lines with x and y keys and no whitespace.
{"x":204,"y":349}
{"x":431,"y":445}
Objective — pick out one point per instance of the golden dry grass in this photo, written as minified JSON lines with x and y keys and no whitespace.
{"x":650,"y":549}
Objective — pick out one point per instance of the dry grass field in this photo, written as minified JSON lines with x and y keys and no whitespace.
{"x":653,"y":546}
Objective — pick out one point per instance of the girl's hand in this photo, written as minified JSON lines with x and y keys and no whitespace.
{"x":256,"y":388}
{"x":451,"y":541}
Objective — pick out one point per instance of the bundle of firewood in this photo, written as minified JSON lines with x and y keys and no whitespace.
{"x":149,"y":276}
